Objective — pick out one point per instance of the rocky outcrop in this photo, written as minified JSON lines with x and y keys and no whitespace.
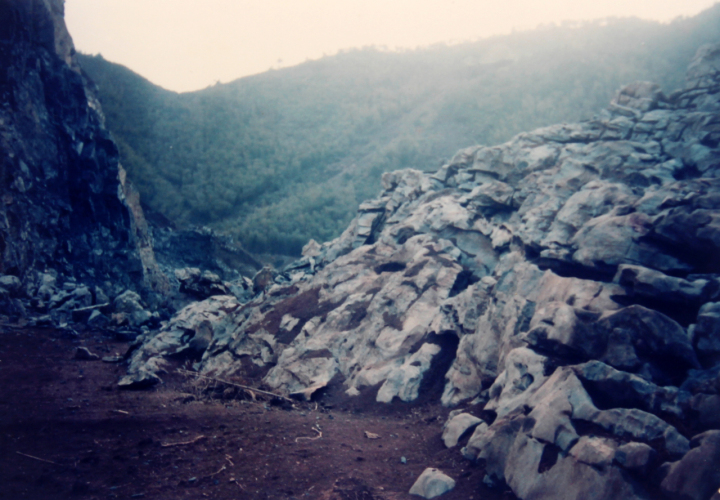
{"x":201,"y":248}
{"x":567,"y":280}
{"x":64,"y":207}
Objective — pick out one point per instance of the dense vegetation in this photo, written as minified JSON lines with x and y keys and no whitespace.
{"x":285,"y":156}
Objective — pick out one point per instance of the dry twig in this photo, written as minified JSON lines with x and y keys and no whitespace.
{"x":218,"y":472}
{"x":181,"y":443}
{"x":36,"y":458}
{"x":310,"y":438}
{"x":245,"y":387}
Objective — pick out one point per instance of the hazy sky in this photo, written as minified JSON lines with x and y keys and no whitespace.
{"x":189,"y":44}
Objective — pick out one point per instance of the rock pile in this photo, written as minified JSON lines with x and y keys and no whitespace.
{"x":567,"y":280}
{"x":50,"y":300}
{"x":201,"y":248}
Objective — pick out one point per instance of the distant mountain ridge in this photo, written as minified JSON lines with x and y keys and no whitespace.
{"x":281,"y":157}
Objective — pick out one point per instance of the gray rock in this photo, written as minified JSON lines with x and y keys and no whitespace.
{"x":635,"y":456}
{"x":594,"y":451}
{"x":128,"y":302}
{"x":200,"y":284}
{"x":643,"y":340}
{"x":568,"y":479}
{"x":263,"y":279}
{"x":97,"y":319}
{"x":707,"y":410}
{"x":457,"y":426}
{"x":432,"y":483}
{"x":404,"y":381}
{"x":139,"y":318}
{"x":82,"y":296}
{"x":703,"y":381}
{"x":697,"y":475}
{"x":625,"y":389}
{"x":556,"y":328}
{"x":642,"y":96}
{"x":693,"y":229}
{"x":100,"y":296}
{"x":631,"y":423}
{"x":524,"y":374}
{"x":60,"y":299}
{"x":139,"y":381}
{"x":11,"y":283}
{"x":706,"y":332}
{"x":648,"y":283}
{"x":189,"y":333}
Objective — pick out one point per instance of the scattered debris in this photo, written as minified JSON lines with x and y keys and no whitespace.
{"x":251,"y":390}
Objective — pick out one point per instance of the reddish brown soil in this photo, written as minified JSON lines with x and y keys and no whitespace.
{"x":67,"y":432}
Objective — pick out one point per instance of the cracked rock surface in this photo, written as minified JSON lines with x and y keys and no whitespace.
{"x":568,"y":280}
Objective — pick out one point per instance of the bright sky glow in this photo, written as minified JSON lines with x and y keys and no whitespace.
{"x":185,"y":45}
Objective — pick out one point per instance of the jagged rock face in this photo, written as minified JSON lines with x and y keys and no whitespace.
{"x":202,"y":248}
{"x":569,"y":278}
{"x":63,"y":206}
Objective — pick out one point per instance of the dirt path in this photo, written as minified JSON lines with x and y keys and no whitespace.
{"x":66,"y":431}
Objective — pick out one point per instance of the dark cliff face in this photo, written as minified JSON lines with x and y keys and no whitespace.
{"x":62,"y":205}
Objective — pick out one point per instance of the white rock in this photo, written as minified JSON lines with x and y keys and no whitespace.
{"x":432,"y":483}
{"x":457,"y":426}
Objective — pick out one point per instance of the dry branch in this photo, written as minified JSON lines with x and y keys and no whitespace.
{"x":218,"y":472}
{"x":36,"y":458}
{"x":245,"y":387}
{"x":310,"y":438}
{"x":194,"y":440}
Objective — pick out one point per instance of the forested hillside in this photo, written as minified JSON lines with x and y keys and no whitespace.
{"x":285,"y":156}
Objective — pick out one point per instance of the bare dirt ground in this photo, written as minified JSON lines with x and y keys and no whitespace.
{"x":66,"y":431}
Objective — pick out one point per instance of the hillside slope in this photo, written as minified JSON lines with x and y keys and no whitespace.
{"x":562,"y":288}
{"x":285,"y":156}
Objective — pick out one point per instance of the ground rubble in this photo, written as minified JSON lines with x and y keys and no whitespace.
{"x":51,"y":299}
{"x":563,"y":288}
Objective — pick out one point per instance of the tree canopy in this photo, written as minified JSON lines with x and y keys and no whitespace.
{"x":281,"y":157}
